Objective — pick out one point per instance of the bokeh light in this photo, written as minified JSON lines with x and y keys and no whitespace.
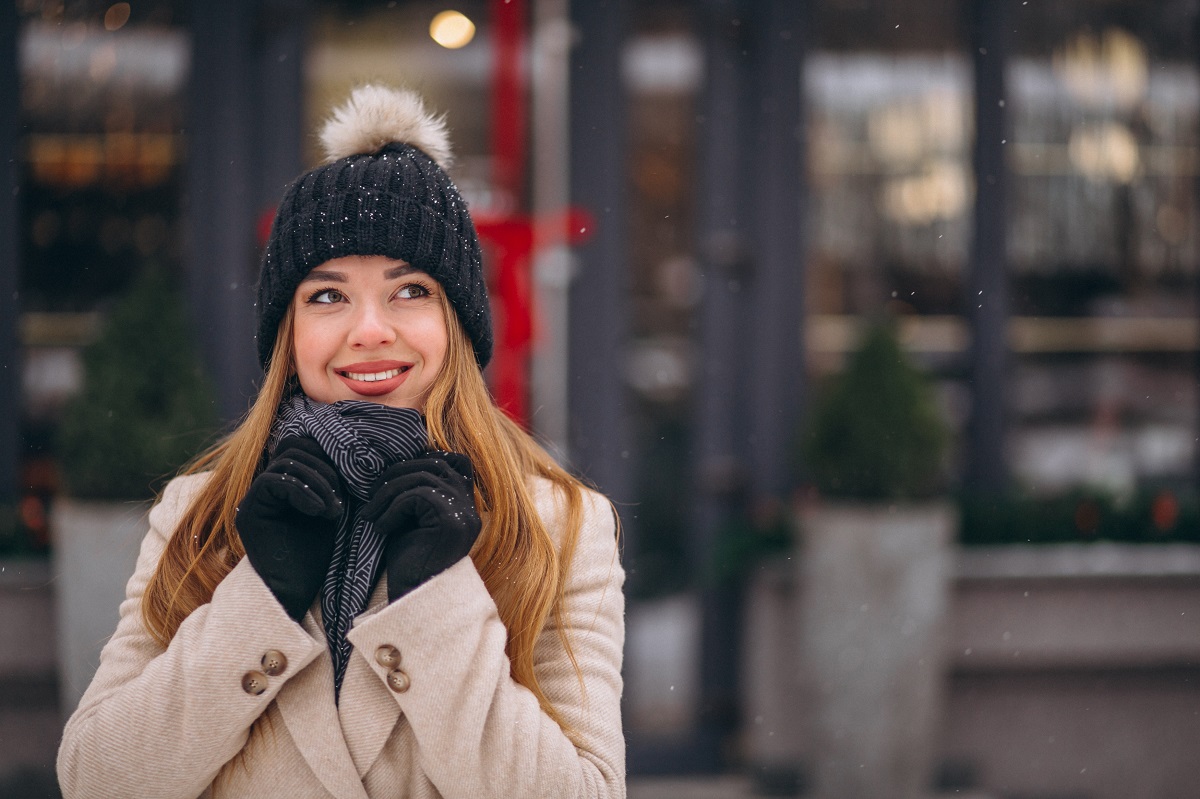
{"x":116,"y":16}
{"x":452,"y":29}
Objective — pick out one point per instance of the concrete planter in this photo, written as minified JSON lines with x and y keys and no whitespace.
{"x":95,"y":550}
{"x":1075,"y":670}
{"x":30,"y":725}
{"x":777,"y":694}
{"x":875,"y":583}
{"x":1071,"y":670}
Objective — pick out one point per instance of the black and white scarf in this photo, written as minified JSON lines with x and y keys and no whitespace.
{"x":362,"y":439}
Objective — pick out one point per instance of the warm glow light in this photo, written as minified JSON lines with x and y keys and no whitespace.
{"x":102,"y":62}
{"x":452,"y":30}
{"x":1172,"y":224}
{"x":1105,"y":70}
{"x":904,"y":132}
{"x":116,"y":16}
{"x":1107,"y":151}
{"x":940,"y":191}
{"x":896,"y":134}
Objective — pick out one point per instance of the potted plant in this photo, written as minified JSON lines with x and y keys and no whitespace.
{"x":874,"y":574}
{"x":143,"y":409}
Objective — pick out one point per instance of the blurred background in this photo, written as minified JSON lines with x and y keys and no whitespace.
{"x":878,"y":321}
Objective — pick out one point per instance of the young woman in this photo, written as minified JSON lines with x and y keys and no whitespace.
{"x":377,"y":585}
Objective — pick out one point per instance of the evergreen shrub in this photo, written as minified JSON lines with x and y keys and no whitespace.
{"x":876,"y":432}
{"x":145,"y":407}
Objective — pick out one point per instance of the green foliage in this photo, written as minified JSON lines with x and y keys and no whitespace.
{"x":1149,"y":517}
{"x":11,"y":538}
{"x":662,"y":563}
{"x":145,"y":407}
{"x":16,"y":539}
{"x":746,"y":540}
{"x":876,"y":432}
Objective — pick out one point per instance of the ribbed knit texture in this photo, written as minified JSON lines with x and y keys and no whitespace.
{"x":396,"y":203}
{"x":362,"y":439}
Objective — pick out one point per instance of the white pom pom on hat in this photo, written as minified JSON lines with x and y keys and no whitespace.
{"x":375,"y":116}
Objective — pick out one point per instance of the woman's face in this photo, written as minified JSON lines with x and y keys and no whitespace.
{"x":369,"y":328}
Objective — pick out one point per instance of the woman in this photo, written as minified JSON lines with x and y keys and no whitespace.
{"x":377,"y":585}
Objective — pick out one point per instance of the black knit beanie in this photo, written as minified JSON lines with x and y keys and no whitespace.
{"x":382,"y":191}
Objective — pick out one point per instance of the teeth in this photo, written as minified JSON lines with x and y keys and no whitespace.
{"x":371,"y":377}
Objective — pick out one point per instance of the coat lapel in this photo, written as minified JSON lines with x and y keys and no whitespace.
{"x":306,"y":704}
{"x":368,"y":710}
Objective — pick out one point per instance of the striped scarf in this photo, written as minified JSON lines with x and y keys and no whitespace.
{"x":362,"y":439}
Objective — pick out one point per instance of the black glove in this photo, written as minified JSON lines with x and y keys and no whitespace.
{"x":288,"y":521}
{"x":425,"y":507}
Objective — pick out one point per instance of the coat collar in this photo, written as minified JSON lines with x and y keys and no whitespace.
{"x":307,"y":707}
{"x":369,"y":712}
{"x":340,"y":742}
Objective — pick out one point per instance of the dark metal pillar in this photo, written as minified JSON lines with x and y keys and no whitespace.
{"x":725,"y":181}
{"x":279,"y":84}
{"x":10,"y":261}
{"x":1196,"y":287}
{"x":220,"y":202}
{"x":599,"y":295}
{"x":750,"y":374}
{"x":987,"y":286}
{"x":777,"y":296}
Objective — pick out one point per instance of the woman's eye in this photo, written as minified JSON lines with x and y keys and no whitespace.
{"x":326,"y":296}
{"x":413,"y":291}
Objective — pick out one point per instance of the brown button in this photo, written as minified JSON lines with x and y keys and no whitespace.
{"x":274,"y":663}
{"x":254,"y":682}
{"x":398,"y":681}
{"x":387,"y":656}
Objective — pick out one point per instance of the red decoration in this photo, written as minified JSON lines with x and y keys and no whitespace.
{"x":514,"y":241}
{"x":515,"y":238}
{"x":262,"y":228}
{"x":508,"y":96}
{"x":1164,"y":511}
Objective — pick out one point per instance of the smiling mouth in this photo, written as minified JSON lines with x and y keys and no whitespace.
{"x":374,"y":377}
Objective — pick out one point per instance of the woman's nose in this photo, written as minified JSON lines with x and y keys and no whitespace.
{"x":370,"y":328}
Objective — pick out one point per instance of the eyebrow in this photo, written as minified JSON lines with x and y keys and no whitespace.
{"x":332,"y":276}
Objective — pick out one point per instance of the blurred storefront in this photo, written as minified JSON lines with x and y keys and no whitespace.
{"x":100,"y":167}
{"x":712,"y":197}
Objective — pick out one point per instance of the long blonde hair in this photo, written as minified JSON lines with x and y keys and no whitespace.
{"x":523,"y":570}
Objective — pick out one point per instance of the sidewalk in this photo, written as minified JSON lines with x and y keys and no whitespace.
{"x":723,"y":787}
{"x":716,"y":787}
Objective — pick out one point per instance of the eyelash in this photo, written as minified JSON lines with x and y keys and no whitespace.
{"x":422,"y":291}
{"x":312,"y":298}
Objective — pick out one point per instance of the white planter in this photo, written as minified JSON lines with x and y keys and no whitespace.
{"x":662,"y":674}
{"x":95,"y":550}
{"x":777,"y":694}
{"x":873,"y":610}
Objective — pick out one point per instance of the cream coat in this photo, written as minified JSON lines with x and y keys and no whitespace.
{"x":161,"y":722}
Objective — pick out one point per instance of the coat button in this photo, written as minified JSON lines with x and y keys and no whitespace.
{"x":254,"y":682}
{"x":398,"y":681}
{"x":387,"y":656}
{"x":274,"y":663}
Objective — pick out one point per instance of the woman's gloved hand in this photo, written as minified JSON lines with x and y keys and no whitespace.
{"x":425,"y":507}
{"x":288,"y":522}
